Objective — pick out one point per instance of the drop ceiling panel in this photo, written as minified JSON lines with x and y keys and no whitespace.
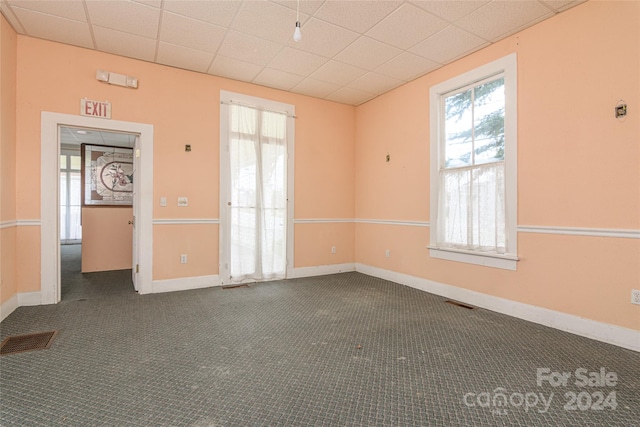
{"x":407,"y":66}
{"x":126,"y":16}
{"x":54,"y":28}
{"x":448,"y":44}
{"x":70,"y":9}
{"x":248,"y":48}
{"x":315,"y":88}
{"x":125,"y":44}
{"x":191,"y":33}
{"x":406,"y":26}
{"x":338,"y":73}
{"x":502,"y":17}
{"x":450,"y":10}
{"x":183,"y":57}
{"x":356,"y":15}
{"x":374,"y":82}
{"x":308,"y":7}
{"x":367,"y":53}
{"x":266,"y":20}
{"x":347,"y":95}
{"x":297,"y":61}
{"x":351,"y":50}
{"x":277,"y":79}
{"x":234,"y":68}
{"x":214,"y":12}
{"x":323,"y":39}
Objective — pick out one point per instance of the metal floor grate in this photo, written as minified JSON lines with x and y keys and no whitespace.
{"x":22,"y":343}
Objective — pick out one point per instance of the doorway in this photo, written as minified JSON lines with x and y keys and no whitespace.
{"x":96,"y":211}
{"x":256,"y":189}
{"x":142,"y":252}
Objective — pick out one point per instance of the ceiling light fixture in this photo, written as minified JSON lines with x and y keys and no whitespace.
{"x":297,"y":35}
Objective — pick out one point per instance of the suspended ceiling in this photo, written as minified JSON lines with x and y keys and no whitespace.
{"x":350,"y":52}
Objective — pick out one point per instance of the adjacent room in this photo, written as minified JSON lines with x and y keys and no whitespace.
{"x":331,"y":212}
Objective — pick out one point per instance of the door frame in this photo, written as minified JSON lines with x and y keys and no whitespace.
{"x":227,"y":98}
{"x":49,"y":198}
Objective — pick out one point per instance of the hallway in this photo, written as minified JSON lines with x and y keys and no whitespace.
{"x":80,"y":286}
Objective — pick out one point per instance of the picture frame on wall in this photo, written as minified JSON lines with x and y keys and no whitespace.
{"x":107,"y":175}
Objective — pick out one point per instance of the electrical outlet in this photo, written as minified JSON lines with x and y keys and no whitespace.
{"x":635,"y":296}
{"x":387,"y":253}
{"x":333,"y":249}
{"x":183,"y":259}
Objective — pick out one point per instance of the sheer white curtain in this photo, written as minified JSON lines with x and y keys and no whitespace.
{"x":472,"y":208}
{"x":257,"y":150}
{"x":70,"y":192}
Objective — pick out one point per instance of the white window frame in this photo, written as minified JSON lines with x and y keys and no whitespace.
{"x":508,"y":67}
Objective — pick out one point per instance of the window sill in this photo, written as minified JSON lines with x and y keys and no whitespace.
{"x":505,"y":262}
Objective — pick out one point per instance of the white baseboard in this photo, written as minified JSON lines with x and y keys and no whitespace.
{"x":322,"y":270}
{"x":185,"y":283}
{"x":19,"y":300}
{"x":8,"y":307}
{"x":611,"y":334}
{"x":29,"y":298}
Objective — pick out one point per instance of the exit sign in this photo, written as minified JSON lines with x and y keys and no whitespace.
{"x":95,"y":108}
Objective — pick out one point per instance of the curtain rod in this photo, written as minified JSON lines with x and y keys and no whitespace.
{"x":232,"y":102}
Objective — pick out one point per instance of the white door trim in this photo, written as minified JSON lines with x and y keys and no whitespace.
{"x":49,"y":167}
{"x":227,"y":98}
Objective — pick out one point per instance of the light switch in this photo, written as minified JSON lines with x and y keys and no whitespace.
{"x":163,"y":201}
{"x":183,"y":201}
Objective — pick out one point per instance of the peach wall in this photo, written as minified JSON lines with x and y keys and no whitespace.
{"x":8,"y":58}
{"x":198,"y":241}
{"x":106,"y":238}
{"x":340,"y":236}
{"x":184,"y":108}
{"x":578,"y":166}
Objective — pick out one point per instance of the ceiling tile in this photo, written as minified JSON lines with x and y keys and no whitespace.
{"x":213,"y":12}
{"x":297,"y":61}
{"x":355,"y":15}
{"x":347,"y":95}
{"x":54,"y":28}
{"x":406,"y":26}
{"x":498,"y":18}
{"x":560,"y":5}
{"x":316,"y":88}
{"x":407,"y":66}
{"x":375,"y":83}
{"x":277,"y":79}
{"x":11,"y":17}
{"x":450,"y":10}
{"x":183,"y":57}
{"x":125,"y":44}
{"x":187,"y":32}
{"x":234,"y":68}
{"x":337,"y":73}
{"x":153,"y":3}
{"x":248,"y":48}
{"x":367,"y":53}
{"x":308,"y":7}
{"x":127,"y":16}
{"x":70,"y":9}
{"x":448,"y":44}
{"x":323,"y":39}
{"x":266,"y":20}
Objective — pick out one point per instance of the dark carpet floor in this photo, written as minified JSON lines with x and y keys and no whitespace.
{"x":338,"y":350}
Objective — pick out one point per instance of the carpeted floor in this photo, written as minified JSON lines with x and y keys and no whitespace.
{"x":338,"y":350}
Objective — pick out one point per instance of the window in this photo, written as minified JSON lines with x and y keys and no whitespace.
{"x":70,"y":210}
{"x":473,"y":166}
